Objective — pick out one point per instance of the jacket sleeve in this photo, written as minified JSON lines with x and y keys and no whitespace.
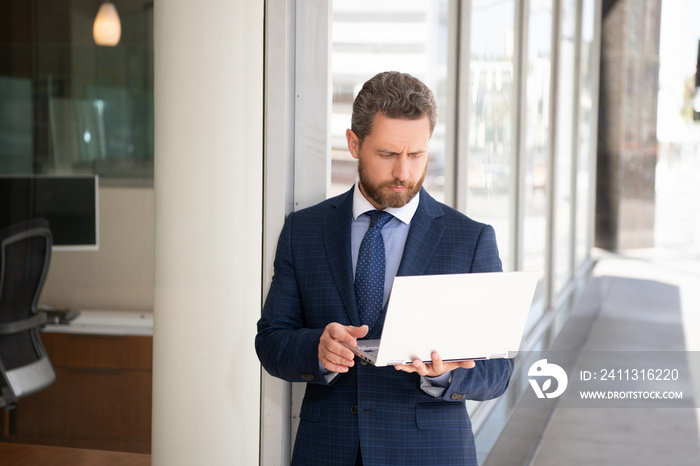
{"x":285,"y":348}
{"x":490,"y":378}
{"x":486,"y":258}
{"x":485,"y":381}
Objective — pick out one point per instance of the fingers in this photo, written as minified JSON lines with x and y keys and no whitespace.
{"x":438,"y":366}
{"x":341,"y":365}
{"x":467,"y":364}
{"x":345,"y":333}
{"x":357,"y":332}
{"x":435,"y":368}
{"x":331,"y":353}
{"x":416,"y":366}
{"x":432,"y":369}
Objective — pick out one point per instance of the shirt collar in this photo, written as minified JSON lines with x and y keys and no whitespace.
{"x":360,"y":205}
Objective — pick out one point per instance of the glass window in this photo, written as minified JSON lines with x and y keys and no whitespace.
{"x":393,"y":35}
{"x":80,"y":107}
{"x":562,"y":247}
{"x":491,"y":165}
{"x":537,"y":141}
{"x":71,"y":107}
{"x":586,"y":144}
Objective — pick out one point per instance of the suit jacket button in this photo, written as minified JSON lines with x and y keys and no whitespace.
{"x":458,"y":396}
{"x":307,"y":377}
{"x":363,"y":362}
{"x":353,"y":409}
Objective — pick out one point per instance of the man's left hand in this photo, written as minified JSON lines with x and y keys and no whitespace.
{"x":435,"y":368}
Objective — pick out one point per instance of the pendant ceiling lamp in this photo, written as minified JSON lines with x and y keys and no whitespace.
{"x":107,"y":29}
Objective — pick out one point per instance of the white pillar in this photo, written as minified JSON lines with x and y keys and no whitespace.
{"x":208,"y":231}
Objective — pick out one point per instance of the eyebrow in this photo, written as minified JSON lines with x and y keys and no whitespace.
{"x":391,"y":152}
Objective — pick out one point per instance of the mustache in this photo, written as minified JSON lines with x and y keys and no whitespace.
{"x":396,"y":182}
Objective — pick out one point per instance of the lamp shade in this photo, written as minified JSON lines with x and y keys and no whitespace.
{"x":107,"y":29}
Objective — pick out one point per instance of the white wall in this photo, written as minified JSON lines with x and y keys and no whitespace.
{"x":118,"y":276}
{"x":208,"y":231}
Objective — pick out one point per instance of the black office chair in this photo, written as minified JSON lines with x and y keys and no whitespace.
{"x":25,"y":253}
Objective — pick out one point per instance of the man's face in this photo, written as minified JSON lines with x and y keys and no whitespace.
{"x":392,"y":160}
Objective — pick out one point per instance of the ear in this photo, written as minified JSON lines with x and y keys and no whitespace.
{"x":353,"y":143}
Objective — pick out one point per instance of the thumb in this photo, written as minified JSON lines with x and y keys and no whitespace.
{"x":358,"y":332}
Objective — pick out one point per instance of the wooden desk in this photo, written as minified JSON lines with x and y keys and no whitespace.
{"x":101,"y":398}
{"x":16,"y":454}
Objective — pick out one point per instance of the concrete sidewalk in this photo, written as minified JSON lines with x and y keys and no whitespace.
{"x":643,"y":300}
{"x":651,"y":302}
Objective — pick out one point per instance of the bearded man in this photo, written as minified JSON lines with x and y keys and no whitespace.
{"x":334,"y":266}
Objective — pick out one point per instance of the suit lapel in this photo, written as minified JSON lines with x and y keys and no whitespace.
{"x":423,"y":237}
{"x":423,"y":240}
{"x":336,"y":230}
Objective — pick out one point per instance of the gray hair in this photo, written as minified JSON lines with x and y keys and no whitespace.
{"x":395,"y":95}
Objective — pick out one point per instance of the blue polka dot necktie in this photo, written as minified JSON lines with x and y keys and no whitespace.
{"x":370,"y":269}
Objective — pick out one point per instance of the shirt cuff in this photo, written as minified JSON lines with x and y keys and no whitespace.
{"x":328,"y":376}
{"x":436,"y":386}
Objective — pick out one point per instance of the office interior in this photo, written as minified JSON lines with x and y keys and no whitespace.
{"x":208,"y":123}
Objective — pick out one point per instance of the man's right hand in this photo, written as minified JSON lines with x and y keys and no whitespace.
{"x":331,"y":353}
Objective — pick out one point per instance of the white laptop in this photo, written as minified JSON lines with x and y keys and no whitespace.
{"x":461,"y":316}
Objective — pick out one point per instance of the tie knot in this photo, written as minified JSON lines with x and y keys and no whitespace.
{"x":379,"y":218}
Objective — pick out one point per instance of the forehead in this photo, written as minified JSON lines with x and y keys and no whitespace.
{"x":399,"y":132}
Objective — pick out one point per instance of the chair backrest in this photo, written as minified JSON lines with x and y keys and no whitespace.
{"x":25,"y":253}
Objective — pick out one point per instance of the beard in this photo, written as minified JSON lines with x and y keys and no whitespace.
{"x":376,"y":191}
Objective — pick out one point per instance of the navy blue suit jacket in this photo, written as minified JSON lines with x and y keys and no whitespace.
{"x":382,"y":409}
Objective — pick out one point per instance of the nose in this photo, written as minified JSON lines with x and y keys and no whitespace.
{"x":400,"y":171}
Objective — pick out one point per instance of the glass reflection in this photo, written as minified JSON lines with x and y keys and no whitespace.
{"x":80,"y":108}
{"x":491,"y":166}
{"x":562,"y":248}
{"x":537,"y":136}
{"x":537,"y":147}
{"x":585,"y":134}
{"x":394,"y":35}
